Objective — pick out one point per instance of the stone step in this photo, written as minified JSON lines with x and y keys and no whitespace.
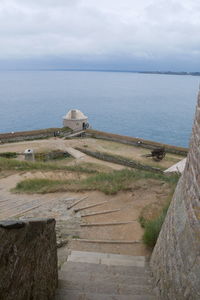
{"x":104,"y":276}
{"x":64,"y":294}
{"x":107,"y":259}
{"x":106,"y":287}
{"x":128,"y":249}
{"x":78,"y":277}
{"x":89,"y":268}
{"x":108,"y":255}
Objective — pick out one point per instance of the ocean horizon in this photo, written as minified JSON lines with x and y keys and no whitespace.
{"x":156,"y":107}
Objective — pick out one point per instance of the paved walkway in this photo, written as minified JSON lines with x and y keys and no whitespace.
{"x":75,"y":153}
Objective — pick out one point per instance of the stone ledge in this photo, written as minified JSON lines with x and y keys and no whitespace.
{"x":16,"y":224}
{"x":12,"y":224}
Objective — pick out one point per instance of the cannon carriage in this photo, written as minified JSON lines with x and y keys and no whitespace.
{"x":157,"y":154}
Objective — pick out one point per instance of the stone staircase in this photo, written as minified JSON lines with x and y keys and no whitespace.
{"x":103,"y":276}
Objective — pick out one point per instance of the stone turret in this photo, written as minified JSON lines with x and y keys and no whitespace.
{"x":75,"y":120}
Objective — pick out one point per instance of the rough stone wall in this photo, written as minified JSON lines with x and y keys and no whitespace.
{"x":175,"y":261}
{"x":120,"y":160}
{"x":28,"y":260}
{"x":74,"y":124}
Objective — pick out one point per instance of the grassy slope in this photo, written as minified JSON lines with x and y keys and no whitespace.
{"x":109,"y":183}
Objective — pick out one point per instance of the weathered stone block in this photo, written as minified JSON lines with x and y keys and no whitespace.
{"x":28,"y":256}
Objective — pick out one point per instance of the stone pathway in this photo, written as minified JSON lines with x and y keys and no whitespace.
{"x":75,"y":153}
{"x":103,"y":276}
{"x":93,"y":271}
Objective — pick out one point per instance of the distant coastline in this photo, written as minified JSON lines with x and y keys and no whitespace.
{"x":129,"y":71}
{"x":108,"y":70}
{"x":170,"y":73}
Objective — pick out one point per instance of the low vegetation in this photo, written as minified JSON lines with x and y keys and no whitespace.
{"x":16,"y":165}
{"x":51,"y":155}
{"x":152,"y":217}
{"x":8,"y":154}
{"x":108,"y":183}
{"x":152,"y":227}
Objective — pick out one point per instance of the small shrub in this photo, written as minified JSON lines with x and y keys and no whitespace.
{"x":153,"y":227}
{"x":8,"y":154}
{"x":142,"y":221}
{"x":37,"y":184}
{"x":76,"y":237}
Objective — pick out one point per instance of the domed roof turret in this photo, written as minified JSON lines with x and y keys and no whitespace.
{"x":75,"y":114}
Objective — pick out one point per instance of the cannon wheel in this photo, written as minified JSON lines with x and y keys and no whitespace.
{"x":159,"y":157}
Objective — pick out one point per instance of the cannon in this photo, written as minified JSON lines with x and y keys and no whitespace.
{"x":157,"y":154}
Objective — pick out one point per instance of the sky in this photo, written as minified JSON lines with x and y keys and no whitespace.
{"x":103,"y":34}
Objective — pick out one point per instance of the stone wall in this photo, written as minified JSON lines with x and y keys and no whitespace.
{"x":175,"y":261}
{"x":120,"y":160}
{"x":33,"y":134}
{"x":28,"y":260}
{"x":135,"y":141}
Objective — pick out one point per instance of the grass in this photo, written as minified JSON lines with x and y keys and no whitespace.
{"x":36,"y":185}
{"x":152,"y":228}
{"x":108,"y":183}
{"x":98,"y":168}
{"x":51,"y":155}
{"x":16,"y":165}
{"x":8,"y":154}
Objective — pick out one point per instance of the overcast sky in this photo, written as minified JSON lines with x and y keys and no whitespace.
{"x":120,"y":34}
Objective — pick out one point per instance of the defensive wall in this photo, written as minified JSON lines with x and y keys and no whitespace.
{"x":135,"y":141}
{"x":28,"y":256}
{"x":175,"y":261}
{"x":119,"y":160}
{"x":33,"y":134}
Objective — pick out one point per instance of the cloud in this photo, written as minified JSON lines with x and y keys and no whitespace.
{"x":100,"y":30}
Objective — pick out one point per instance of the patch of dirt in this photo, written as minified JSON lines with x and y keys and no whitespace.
{"x":54,"y":175}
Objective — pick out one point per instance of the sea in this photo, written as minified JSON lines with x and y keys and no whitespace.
{"x":150,"y":106}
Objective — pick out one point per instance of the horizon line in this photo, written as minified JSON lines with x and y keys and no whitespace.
{"x":168,"y":72}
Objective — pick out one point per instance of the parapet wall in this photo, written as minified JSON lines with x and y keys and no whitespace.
{"x":28,"y":260}
{"x":33,"y":134}
{"x":135,"y":141}
{"x":175,"y":261}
